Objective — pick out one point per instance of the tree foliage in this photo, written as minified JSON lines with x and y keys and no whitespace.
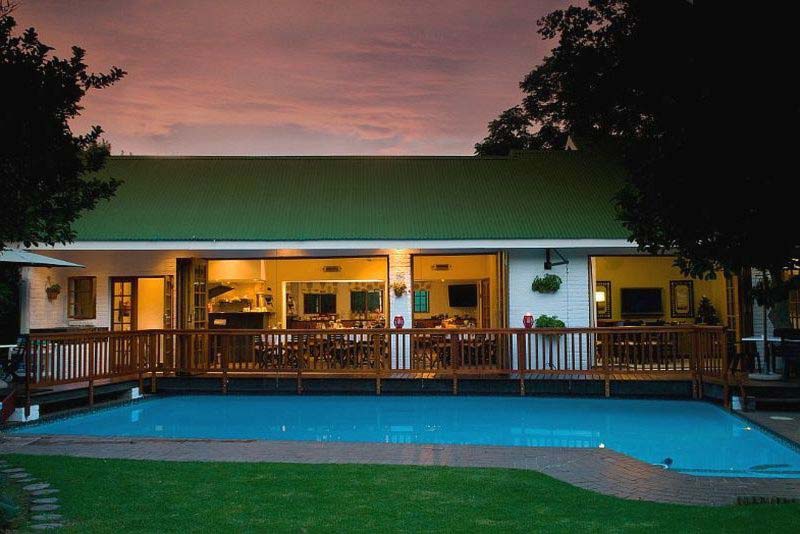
{"x":44,"y":167}
{"x":700,"y":129}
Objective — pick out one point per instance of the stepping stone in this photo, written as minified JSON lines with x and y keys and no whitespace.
{"x":46,"y":517}
{"x":48,"y":491}
{"x":26,"y":480}
{"x":44,"y":507}
{"x":37,"y":486}
{"x":20,"y":474}
{"x":46,"y":526}
{"x":46,"y":500}
{"x":14,"y":470}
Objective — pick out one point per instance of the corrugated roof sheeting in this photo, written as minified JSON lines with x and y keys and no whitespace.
{"x":548,"y":195}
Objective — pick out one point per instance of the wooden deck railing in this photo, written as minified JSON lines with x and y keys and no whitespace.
{"x":69,"y":358}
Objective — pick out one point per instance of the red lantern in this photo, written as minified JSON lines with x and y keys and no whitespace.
{"x":399,"y":321}
{"x":527,"y":320}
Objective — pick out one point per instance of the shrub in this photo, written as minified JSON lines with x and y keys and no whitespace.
{"x":546,"y":321}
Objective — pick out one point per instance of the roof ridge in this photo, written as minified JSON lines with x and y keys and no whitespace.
{"x":332,"y":157}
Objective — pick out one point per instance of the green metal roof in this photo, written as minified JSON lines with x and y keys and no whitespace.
{"x":545,"y":195}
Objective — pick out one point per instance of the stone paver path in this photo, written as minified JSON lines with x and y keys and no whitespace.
{"x":39,"y":501}
{"x":601,"y":470}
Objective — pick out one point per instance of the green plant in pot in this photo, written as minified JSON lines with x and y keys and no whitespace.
{"x":706,"y":313}
{"x":549,"y":283}
{"x":547,"y":321}
{"x":52,"y":291}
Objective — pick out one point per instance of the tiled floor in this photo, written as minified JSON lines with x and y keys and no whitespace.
{"x":600,"y":470}
{"x":785,"y":424}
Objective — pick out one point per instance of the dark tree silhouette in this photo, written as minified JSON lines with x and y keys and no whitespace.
{"x":702,"y":130}
{"x":44,"y":168}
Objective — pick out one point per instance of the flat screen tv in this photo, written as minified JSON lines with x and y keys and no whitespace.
{"x":463,"y":295}
{"x":637,"y":301}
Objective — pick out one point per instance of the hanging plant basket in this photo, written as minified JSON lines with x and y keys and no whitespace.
{"x":549,"y":283}
{"x":399,"y":289}
{"x":52,"y":291}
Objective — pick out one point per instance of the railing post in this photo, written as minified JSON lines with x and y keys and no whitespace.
{"x":91,"y":373}
{"x":522,"y":356}
{"x":456,"y":346}
{"x":139,"y":362}
{"x":606,"y":341}
{"x":28,"y":346}
{"x":377,"y":361}
{"x":300,"y":358}
{"x":224,"y":362}
{"x":698,"y":362}
{"x":154,"y":360}
{"x":722,"y":346}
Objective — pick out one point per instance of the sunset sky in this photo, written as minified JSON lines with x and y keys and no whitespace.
{"x":297,"y":77}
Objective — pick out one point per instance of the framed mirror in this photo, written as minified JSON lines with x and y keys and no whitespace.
{"x":602,"y":299}
{"x":681,"y":298}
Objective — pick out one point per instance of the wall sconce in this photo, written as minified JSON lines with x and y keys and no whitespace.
{"x":599,"y":296}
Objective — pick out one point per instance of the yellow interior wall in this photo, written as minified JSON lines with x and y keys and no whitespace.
{"x":463,"y":269}
{"x":648,"y":271}
{"x":150,"y":303}
{"x":276,"y":273}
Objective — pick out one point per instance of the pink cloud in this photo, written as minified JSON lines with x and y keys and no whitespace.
{"x":298,"y":77}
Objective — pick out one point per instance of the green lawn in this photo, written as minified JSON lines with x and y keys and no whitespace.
{"x":147,"y":496}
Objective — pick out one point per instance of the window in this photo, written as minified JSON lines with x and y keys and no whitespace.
{"x":366,"y":301}
{"x":422,"y":301}
{"x":82,"y":297}
{"x":319,"y":303}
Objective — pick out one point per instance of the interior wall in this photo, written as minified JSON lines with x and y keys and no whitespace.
{"x":298,"y":290}
{"x":649,"y":271}
{"x":277,"y":273}
{"x":150,"y":303}
{"x":468,"y":268}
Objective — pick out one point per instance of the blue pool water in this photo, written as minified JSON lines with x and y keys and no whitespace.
{"x":699,"y":438}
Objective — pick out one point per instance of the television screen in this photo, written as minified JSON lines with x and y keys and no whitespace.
{"x":641,"y":301}
{"x":463,"y":295}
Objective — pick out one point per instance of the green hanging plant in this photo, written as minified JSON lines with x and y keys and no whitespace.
{"x":549,"y":283}
{"x":546,"y":321}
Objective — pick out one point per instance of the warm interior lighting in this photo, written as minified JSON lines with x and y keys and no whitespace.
{"x":599,"y":296}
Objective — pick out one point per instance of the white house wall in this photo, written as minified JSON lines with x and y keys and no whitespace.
{"x":571,"y":303}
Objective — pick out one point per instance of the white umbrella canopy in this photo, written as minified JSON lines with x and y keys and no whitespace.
{"x":29,"y":259}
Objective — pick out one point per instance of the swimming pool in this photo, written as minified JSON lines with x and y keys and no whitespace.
{"x":693,"y":437}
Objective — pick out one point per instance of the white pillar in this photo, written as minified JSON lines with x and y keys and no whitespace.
{"x":400,"y":273}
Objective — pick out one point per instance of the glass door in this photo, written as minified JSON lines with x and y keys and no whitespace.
{"x":123,"y":319}
{"x":193,"y":312}
{"x":123,"y":304}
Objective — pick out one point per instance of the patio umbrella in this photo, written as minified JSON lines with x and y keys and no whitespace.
{"x":29,"y":259}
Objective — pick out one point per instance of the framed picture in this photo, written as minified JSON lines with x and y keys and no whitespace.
{"x":681,"y":298}
{"x":602,"y":299}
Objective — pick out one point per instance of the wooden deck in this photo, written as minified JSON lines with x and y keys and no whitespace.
{"x":67,"y":361}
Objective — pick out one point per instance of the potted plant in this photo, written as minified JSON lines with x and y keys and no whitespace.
{"x":547,"y":321}
{"x":52,"y":291}
{"x":399,"y":288}
{"x":549,"y":283}
{"x":706,"y":313}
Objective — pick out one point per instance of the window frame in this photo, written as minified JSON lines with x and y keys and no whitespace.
{"x":72,"y":300}
{"x":377,"y":295}
{"x":318,"y":299}
{"x":427,"y":301}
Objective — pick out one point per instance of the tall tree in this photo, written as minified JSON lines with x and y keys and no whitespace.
{"x":44,"y":167}
{"x":701,"y":130}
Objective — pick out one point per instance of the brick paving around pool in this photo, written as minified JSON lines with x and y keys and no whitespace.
{"x":601,"y":470}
